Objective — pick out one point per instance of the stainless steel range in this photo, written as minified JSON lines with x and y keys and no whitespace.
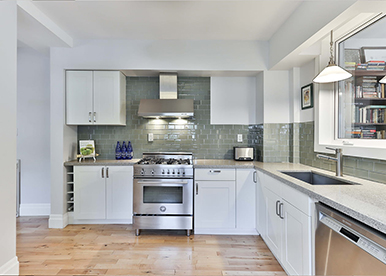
{"x":163,"y":191}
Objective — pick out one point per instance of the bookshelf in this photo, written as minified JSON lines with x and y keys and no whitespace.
{"x":368,"y":105}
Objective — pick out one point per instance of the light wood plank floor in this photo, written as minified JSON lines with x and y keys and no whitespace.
{"x":115,"y":250}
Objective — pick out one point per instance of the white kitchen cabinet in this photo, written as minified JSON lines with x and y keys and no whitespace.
{"x":89,"y":193}
{"x":103,"y":193}
{"x":260,"y":205}
{"x":287,"y":225}
{"x":273,"y":222}
{"x":296,"y":246}
{"x":119,"y":192}
{"x":214,"y":205}
{"x":233,"y":101}
{"x":245,"y":199}
{"x":95,"y":98}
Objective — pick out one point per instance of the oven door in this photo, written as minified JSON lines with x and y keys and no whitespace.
{"x":163,"y":196}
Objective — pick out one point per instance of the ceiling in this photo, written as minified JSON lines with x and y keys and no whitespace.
{"x":180,"y":20}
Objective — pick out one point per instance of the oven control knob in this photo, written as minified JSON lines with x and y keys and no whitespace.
{"x":173,"y":172}
{"x":152,"y":172}
{"x":168,"y":172}
{"x":178,"y":171}
{"x":163,"y":172}
{"x":183,"y":172}
{"x":162,"y":208}
{"x":142,"y":171}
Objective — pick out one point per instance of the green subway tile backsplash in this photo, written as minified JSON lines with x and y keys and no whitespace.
{"x":195,"y":135}
{"x":371,"y":169}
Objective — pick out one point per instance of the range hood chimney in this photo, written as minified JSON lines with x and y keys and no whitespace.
{"x":168,"y":105}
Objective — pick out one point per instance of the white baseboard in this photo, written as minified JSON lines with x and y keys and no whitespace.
{"x":10,"y":268}
{"x":232,"y":231}
{"x":58,"y":221}
{"x":71,"y":220}
{"x":35,"y":209}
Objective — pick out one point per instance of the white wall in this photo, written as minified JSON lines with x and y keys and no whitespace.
{"x":33,"y":140}
{"x":307,"y":74}
{"x":232,"y":100}
{"x":8,"y":46}
{"x":307,"y":20}
{"x":276,"y":97}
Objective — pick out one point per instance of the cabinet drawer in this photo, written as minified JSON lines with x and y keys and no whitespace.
{"x":215,"y":174}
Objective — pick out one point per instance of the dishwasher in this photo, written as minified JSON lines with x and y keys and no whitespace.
{"x":345,"y":246}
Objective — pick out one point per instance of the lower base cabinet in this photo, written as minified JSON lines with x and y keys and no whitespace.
{"x":103,"y":192}
{"x":285,"y":225}
{"x":215,"y":205}
{"x":224,"y":201}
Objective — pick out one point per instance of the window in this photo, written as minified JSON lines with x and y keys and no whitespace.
{"x":340,"y":117}
{"x":362,"y":99}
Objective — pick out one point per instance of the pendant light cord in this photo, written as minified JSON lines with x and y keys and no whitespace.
{"x":331,"y":51}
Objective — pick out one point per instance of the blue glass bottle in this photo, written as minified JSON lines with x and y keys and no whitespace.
{"x":118,"y":151}
{"x":130,"y":151}
{"x":124,"y":151}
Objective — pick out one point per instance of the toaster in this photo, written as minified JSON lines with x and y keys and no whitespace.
{"x":244,"y":153}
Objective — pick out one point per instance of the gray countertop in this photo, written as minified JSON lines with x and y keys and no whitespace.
{"x":365,"y":202}
{"x":101,"y":162}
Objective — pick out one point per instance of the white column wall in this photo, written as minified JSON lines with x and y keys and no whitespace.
{"x":33,"y":135}
{"x":307,"y":74}
{"x":8,"y":48}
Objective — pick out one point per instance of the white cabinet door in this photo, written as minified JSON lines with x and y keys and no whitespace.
{"x":296,"y":250}
{"x":245,"y":199}
{"x":215,"y":205}
{"x":107,"y":97}
{"x":79,"y":97}
{"x":260,"y":205}
{"x":119,"y":192}
{"x":89,"y":192}
{"x":233,"y":100}
{"x":273,"y":223}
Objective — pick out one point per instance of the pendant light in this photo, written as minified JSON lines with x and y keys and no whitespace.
{"x":332,"y":72}
{"x":383,"y":80}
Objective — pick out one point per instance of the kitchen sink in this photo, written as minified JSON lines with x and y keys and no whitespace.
{"x":314,"y":178}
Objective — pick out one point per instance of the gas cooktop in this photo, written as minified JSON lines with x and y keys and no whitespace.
{"x":165,"y":165}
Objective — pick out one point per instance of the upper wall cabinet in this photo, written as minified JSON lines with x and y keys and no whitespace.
{"x":95,"y":98}
{"x":233,"y":101}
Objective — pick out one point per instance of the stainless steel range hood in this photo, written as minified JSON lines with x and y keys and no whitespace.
{"x":168,"y":105}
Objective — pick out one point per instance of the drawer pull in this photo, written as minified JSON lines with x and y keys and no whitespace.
{"x":215,"y":171}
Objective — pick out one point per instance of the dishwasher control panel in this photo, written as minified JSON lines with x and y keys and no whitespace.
{"x":361,"y":241}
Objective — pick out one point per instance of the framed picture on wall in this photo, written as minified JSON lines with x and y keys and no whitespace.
{"x":307,"y":96}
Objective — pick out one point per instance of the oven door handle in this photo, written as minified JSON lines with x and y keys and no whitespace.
{"x":168,"y":182}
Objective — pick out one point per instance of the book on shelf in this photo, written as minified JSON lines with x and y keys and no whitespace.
{"x":350,"y":65}
{"x":371,"y":114}
{"x":361,"y":66}
{"x":376,"y":65}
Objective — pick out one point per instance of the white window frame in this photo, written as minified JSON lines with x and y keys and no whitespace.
{"x":326,"y":113}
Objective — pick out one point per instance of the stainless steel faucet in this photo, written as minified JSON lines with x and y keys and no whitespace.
{"x":338,"y":159}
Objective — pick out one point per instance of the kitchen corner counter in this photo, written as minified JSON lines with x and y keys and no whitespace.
{"x":365,"y":202}
{"x":101,"y":162}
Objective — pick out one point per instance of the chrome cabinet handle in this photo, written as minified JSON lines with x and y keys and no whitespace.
{"x":281,"y":215}
{"x":103,"y":172}
{"x":255,"y":176}
{"x":277,"y":208}
{"x":89,"y":117}
{"x":107,"y":172}
{"x":94,"y":117}
{"x":214,"y":171}
{"x":196,"y":188}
